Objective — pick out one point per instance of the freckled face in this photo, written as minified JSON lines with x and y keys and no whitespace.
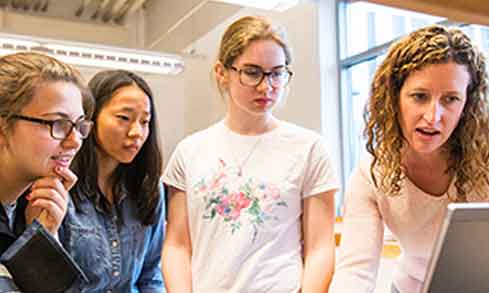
{"x":432,"y":100}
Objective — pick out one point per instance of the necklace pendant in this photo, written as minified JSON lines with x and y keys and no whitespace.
{"x":240,"y":172}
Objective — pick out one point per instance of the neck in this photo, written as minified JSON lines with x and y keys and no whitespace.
{"x":13,"y":184}
{"x":251,"y":125}
{"x":435,"y":164}
{"x":106,"y":167}
{"x":432,"y":161}
{"x":428,"y":171}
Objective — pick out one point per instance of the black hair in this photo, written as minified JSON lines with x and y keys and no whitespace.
{"x":140,"y":178}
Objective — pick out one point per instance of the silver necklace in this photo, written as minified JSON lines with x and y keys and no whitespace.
{"x":242,"y":164}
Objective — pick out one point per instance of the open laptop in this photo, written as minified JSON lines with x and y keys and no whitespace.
{"x":460,"y":259}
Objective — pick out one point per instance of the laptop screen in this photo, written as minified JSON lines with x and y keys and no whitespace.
{"x":460,"y":259}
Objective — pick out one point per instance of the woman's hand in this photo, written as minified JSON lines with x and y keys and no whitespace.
{"x":48,"y":199}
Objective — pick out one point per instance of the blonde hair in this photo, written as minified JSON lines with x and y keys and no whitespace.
{"x":468,"y":144}
{"x":22,"y":73}
{"x":241,"y":33}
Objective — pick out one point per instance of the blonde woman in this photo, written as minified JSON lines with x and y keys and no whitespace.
{"x":427,"y":133}
{"x":251,"y":205}
{"x":44,"y":112}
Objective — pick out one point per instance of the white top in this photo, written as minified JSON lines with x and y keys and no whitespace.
{"x":414,"y":218}
{"x":246,"y":230}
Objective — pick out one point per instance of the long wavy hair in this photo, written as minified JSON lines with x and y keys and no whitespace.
{"x":140,"y":178}
{"x":468,"y":145}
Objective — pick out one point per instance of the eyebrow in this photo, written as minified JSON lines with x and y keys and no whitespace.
{"x":62,"y":115}
{"x":258,"y":66}
{"x":131,"y":110}
{"x":421,"y":89}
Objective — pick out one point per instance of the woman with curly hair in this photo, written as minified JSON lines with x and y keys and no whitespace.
{"x":427,"y":133}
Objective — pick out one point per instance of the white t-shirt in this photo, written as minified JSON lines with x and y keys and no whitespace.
{"x":246,"y":230}
{"x":414,"y":218}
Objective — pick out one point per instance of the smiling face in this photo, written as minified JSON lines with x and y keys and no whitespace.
{"x":122,"y":126}
{"x":265,"y":55}
{"x":431,"y":103}
{"x":29,"y":145}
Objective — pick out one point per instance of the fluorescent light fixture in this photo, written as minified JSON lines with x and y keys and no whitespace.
{"x":89,"y":55}
{"x":278,"y":5}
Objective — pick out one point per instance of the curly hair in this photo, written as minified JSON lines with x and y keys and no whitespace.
{"x":468,"y":144}
{"x":141,"y":177}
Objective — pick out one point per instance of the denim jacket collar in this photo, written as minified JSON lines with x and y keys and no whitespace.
{"x":102,"y":204}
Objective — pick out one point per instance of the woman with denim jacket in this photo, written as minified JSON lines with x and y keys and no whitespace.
{"x":114,"y":227}
{"x":44,"y":107}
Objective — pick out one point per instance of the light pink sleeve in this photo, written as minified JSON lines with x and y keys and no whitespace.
{"x":174,"y":174}
{"x":361,"y":239}
{"x":320,"y":174}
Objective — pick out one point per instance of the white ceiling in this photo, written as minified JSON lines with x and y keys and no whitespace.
{"x":165,"y":25}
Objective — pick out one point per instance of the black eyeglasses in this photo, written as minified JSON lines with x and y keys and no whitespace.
{"x":61,"y":128}
{"x":252,"y":76}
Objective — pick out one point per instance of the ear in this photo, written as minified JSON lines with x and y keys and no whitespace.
{"x":221,"y":74}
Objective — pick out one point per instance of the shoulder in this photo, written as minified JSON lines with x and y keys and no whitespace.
{"x":362,"y":175}
{"x":201,"y":137}
{"x":291,"y":129}
{"x":294,"y":135}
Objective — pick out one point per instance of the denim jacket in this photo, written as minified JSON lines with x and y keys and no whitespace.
{"x":31,"y":259}
{"x":117,"y":254}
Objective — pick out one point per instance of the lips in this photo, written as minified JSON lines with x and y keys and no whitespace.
{"x":132,"y":147}
{"x":263,"y":101}
{"x":63,"y":160}
{"x":428,"y":131}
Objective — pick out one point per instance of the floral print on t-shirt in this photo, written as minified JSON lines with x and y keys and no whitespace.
{"x":237,"y":199}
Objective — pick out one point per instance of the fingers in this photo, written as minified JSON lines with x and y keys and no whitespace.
{"x":51,"y":214}
{"x":48,"y":198}
{"x":68,"y":178}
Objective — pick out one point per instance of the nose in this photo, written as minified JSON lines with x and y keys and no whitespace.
{"x":433,"y":112}
{"x":73,"y":140}
{"x":265,"y":85}
{"x":136,"y":130}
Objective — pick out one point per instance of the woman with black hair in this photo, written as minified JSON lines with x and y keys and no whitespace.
{"x":114,"y":227}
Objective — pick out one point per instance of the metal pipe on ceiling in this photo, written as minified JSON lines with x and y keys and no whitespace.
{"x":83,"y":5}
{"x":102,"y":5}
{"x":114,"y":10}
{"x":37,"y":5}
{"x":45,"y":7}
{"x":130,"y":7}
{"x":136,"y":5}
